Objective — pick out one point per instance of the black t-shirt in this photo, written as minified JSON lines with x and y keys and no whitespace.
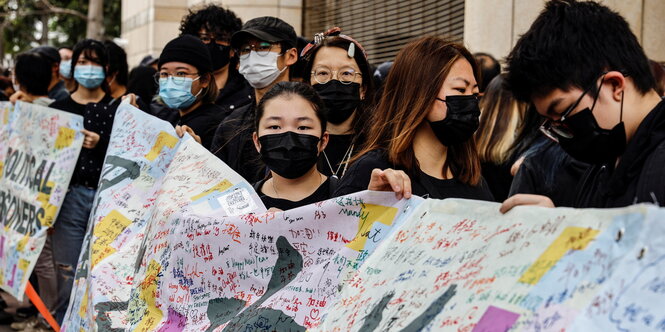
{"x":498,"y":178}
{"x":98,"y":118}
{"x":359,"y":173}
{"x":338,"y":146}
{"x":321,"y":194}
{"x":69,"y":105}
{"x":203,"y":121}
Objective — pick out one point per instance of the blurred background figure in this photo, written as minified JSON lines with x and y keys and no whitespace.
{"x":501,"y":119}
{"x":489,"y":69}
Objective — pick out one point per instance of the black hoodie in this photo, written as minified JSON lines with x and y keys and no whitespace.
{"x":640,"y":175}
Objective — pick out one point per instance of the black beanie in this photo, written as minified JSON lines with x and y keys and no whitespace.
{"x":187,"y":49}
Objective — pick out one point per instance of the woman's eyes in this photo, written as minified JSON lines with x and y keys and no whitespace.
{"x":274,"y":127}
{"x":461,"y":90}
{"x":304,"y":128}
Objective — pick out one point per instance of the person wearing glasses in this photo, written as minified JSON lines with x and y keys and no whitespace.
{"x":421,"y":136}
{"x":266,"y":47}
{"x":186,"y":84}
{"x":337,"y":68}
{"x":585,"y":71}
{"x":215,"y":25}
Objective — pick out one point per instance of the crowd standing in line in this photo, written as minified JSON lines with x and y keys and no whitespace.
{"x":576,"y":119}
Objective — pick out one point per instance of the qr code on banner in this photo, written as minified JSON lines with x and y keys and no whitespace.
{"x":237,"y":202}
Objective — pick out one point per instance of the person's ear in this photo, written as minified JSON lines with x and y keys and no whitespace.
{"x":618,"y":82}
{"x":324,"y":141}
{"x":257,"y":145}
{"x":205,"y":80}
{"x":291,"y":56}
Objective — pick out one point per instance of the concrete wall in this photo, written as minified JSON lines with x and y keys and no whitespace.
{"x":493,"y":26}
{"x":147,"y":25}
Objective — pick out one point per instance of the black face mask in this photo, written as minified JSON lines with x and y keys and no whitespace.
{"x":289,"y":154}
{"x":340,"y":99}
{"x":462,"y":120}
{"x":219,"y":55}
{"x":590,"y":143}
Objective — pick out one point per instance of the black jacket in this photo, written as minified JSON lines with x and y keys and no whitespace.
{"x":236,"y":93}
{"x":203,"y":121}
{"x":233,"y":144}
{"x":640,"y":175}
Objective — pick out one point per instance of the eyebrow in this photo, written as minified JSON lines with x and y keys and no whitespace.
{"x":464,"y":80}
{"x":304,"y":118}
{"x":553,"y":104}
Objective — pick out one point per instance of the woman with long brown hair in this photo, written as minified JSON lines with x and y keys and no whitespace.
{"x":423,"y":127}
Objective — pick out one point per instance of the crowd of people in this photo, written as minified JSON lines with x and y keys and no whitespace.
{"x":574,"y":118}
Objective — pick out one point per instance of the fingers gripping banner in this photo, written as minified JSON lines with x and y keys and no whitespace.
{"x":39,"y":147}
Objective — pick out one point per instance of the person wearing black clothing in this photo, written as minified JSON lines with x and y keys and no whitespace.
{"x":186,"y":84}
{"x":585,"y":71}
{"x":266,"y":48}
{"x":549,"y":171}
{"x":336,"y":66}
{"x":88,"y":99}
{"x":501,"y":119}
{"x":56,"y":89}
{"x":290,"y":134}
{"x":215,"y":25}
{"x":421,"y":139}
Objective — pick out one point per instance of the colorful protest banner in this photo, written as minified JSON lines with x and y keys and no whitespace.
{"x":149,"y":174}
{"x":39,"y":147}
{"x":178,"y":242}
{"x":459,"y":265}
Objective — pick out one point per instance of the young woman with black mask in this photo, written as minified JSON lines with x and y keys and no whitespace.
{"x":423,"y":127}
{"x":336,"y":66}
{"x":290,"y":134}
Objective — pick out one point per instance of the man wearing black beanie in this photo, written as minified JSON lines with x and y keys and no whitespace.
{"x":186,"y":85}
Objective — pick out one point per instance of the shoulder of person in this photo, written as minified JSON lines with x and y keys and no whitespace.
{"x":373,"y":159}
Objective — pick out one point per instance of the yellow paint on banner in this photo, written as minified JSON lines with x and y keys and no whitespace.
{"x":2,"y":169}
{"x":5,"y":118}
{"x":22,"y":242}
{"x":65,"y":138}
{"x":50,"y":210}
{"x":148,"y":288}
{"x":84,"y":303}
{"x":105,"y":232}
{"x":163,"y":139}
{"x":572,"y":238}
{"x":218,"y":187}
{"x":23,"y":265}
{"x":369,"y":214}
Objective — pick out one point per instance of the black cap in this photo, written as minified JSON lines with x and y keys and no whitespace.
{"x":51,"y":53}
{"x":187,"y":49}
{"x":267,"y":28}
{"x":148,"y":60}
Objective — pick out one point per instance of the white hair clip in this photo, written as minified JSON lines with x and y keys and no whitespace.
{"x":352,"y":50}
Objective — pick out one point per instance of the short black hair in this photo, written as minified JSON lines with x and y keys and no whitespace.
{"x":33,"y":73}
{"x":571,"y":44}
{"x":489,"y":69}
{"x":215,"y":19}
{"x":303,"y":90}
{"x":94,"y":51}
{"x":117,"y":62}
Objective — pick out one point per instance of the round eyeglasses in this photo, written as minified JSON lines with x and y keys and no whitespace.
{"x":262,"y":49}
{"x":178,"y":78}
{"x":345,"y":75}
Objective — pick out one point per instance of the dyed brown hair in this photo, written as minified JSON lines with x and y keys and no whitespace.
{"x":410,"y":91}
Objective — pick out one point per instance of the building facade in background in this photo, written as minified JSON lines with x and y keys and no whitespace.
{"x":384,"y":26}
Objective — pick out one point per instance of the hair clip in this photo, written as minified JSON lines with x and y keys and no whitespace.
{"x":352,"y":50}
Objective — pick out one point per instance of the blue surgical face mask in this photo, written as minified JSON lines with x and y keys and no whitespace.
{"x":89,"y":76}
{"x":66,"y":68}
{"x":177,"y":95}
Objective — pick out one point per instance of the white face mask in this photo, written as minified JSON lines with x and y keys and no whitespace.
{"x":259,"y":70}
